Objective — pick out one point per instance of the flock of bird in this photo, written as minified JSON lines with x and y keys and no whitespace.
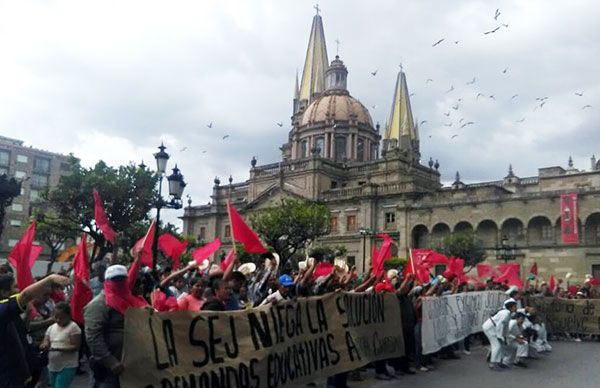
{"x":454,"y":109}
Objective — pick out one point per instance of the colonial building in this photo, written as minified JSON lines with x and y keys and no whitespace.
{"x":37,"y":170}
{"x":333,"y":155}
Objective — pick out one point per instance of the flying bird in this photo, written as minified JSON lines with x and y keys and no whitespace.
{"x":479,"y":95}
{"x":225,"y":137}
{"x":461,"y":120}
{"x":497,"y":13}
{"x":472,"y":81}
{"x":456,"y":41}
{"x":447,"y":114}
{"x":451,"y":89}
{"x":455,"y":107}
{"x":580,"y":94}
{"x":467,"y":123}
{"x":492,"y":97}
{"x":505,"y":70}
{"x":374,"y":106}
{"x":514,"y":96}
{"x":505,"y":25}
{"x":374,"y":73}
{"x":438,"y":42}
{"x":210,"y":125}
{"x":491,"y":31}
{"x":422,"y":122}
{"x":520,"y":121}
{"x":412,"y":94}
{"x":448,"y":125}
{"x":429,"y":80}
{"x":280,"y":124}
{"x":586,"y":106}
{"x":453,"y":136}
{"x":183,"y":149}
{"x":541,"y":98}
{"x":204,"y":151}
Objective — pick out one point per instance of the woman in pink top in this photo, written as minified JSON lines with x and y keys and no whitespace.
{"x":193,"y":301}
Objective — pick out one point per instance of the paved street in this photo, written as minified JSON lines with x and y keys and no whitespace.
{"x":570,"y":364}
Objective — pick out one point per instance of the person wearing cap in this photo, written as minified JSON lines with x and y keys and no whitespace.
{"x":516,"y":344}
{"x":104,"y":326}
{"x":283,"y":290}
{"x":495,"y":329}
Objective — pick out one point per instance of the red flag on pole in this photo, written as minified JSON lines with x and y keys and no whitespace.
{"x":202,"y":253}
{"x":102,"y":219}
{"x":533,"y":270}
{"x":242,"y":233}
{"x":20,"y":257}
{"x":82,"y":293}
{"x":143,"y":247}
{"x":569,"y":224}
{"x":227,"y":260}
{"x":384,"y":253}
{"x":171,"y":247}
{"x":551,"y":283}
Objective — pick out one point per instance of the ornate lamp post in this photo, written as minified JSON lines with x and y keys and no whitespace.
{"x":364,"y":232}
{"x":505,"y":251}
{"x":176,"y":186}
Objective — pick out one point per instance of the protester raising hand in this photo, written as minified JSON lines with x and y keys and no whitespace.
{"x":42,"y":289}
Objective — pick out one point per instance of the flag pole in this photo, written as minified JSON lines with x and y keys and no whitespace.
{"x":412,"y":263}
{"x":231,"y":226}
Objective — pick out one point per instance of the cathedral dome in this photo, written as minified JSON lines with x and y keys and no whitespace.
{"x":336,"y":106}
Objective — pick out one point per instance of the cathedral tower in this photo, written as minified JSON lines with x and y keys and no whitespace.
{"x":401,"y":133}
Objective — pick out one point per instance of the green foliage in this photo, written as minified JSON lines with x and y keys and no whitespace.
{"x":55,"y":232}
{"x":327,"y":253}
{"x":394,"y":263}
{"x":128,"y":193}
{"x":291,"y":226}
{"x":463,"y":245}
{"x":9,"y":189}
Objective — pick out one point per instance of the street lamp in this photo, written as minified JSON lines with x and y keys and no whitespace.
{"x":505,"y":251}
{"x":176,"y":186}
{"x":364,"y":232}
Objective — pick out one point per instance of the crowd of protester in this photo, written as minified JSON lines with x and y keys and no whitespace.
{"x":47,"y":348}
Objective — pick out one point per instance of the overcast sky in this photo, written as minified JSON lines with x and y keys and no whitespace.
{"x":110,"y":80}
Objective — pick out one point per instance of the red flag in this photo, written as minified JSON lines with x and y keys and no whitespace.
{"x":20,"y":257}
{"x":143,"y":247}
{"x":533,"y":270}
{"x":569,"y":223}
{"x":199,"y":254}
{"x":227,"y":260}
{"x":455,"y":269}
{"x":242,"y":233}
{"x":510,"y":275}
{"x":102,"y":219}
{"x":324,"y":268}
{"x":436,"y":258}
{"x":417,"y":264}
{"x":82,"y":293}
{"x":385,"y":252}
{"x":171,"y":247}
{"x":551,"y":283}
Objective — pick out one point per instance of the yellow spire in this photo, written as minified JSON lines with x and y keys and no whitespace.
{"x":297,"y":88}
{"x":401,"y":121}
{"x":316,"y":62}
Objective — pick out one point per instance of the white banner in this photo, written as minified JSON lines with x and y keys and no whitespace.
{"x":449,"y":319}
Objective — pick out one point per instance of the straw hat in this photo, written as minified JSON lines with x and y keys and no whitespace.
{"x":247,"y":268}
{"x":341,"y":263}
{"x":204,"y":265}
{"x":275,"y":257}
{"x":392,"y":273}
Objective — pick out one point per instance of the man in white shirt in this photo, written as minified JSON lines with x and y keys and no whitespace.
{"x":495,"y":329}
{"x":516,"y":342}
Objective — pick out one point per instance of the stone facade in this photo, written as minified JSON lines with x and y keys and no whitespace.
{"x":394,"y":193}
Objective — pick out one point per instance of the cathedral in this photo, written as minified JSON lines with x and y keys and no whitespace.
{"x":373,"y":181}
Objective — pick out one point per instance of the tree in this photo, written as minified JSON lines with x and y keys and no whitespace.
{"x":289,"y":227}
{"x":464,"y":245}
{"x":54,"y":232}
{"x":128,"y":193}
{"x":9,"y":189}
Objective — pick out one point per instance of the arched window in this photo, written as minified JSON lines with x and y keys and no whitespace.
{"x":340,"y":148}
{"x":320,"y":144}
{"x":360,"y":149}
{"x":304,"y":148}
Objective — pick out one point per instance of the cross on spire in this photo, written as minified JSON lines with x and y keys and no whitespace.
{"x":317,"y":8}
{"x":337,"y":47}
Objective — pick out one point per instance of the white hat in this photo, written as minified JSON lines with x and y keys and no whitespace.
{"x":392,"y":273}
{"x":247,"y":268}
{"x":511,"y":290}
{"x":509,"y":300}
{"x":115,"y":271}
{"x":341,"y":263}
{"x":268,"y":261}
{"x":204,"y":265}
{"x":302,"y":265}
{"x":569,"y":275}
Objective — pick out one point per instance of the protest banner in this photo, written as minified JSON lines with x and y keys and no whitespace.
{"x":287,"y":344}
{"x":578,"y":316}
{"x":449,"y":319}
